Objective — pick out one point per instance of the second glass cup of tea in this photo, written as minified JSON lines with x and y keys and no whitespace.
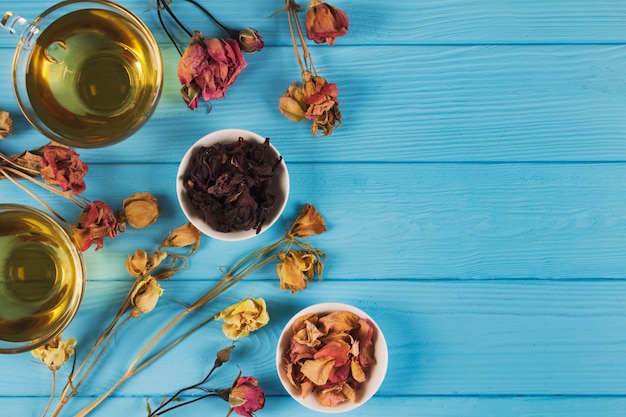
{"x":86,"y":74}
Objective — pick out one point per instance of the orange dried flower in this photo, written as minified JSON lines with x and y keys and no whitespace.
{"x":95,"y":223}
{"x":324,"y":23}
{"x":62,"y":166}
{"x":309,"y":222}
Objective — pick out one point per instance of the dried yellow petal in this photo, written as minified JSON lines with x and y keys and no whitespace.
{"x":6,"y":124}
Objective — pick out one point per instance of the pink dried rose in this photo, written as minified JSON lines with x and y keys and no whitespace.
{"x":246,"y":396}
{"x":96,"y":222}
{"x":62,"y":166}
{"x":208,"y":68}
{"x":324,"y":23}
{"x":329,"y":356}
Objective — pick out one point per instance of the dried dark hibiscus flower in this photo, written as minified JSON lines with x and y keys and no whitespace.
{"x":231,"y":184}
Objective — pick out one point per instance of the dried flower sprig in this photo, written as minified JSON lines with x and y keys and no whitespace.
{"x":59,"y":170}
{"x":141,"y":298}
{"x":314,"y":99}
{"x":209,"y":66}
{"x":309,"y":222}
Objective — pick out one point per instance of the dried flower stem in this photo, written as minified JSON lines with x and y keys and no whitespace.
{"x":299,"y":41}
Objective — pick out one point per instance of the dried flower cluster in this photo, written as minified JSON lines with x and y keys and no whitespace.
{"x":230,"y":184}
{"x":209,"y":66}
{"x":329,"y":356}
{"x":60,"y":170}
{"x":313,"y":99}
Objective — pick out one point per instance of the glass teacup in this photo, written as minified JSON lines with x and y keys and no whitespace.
{"x":86,"y":74}
{"x":42,"y":278}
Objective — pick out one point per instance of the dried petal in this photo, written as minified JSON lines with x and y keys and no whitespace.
{"x":295,"y":269}
{"x":141,"y":210}
{"x":318,"y":370}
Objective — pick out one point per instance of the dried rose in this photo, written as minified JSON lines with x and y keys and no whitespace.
{"x":62,"y":166}
{"x":182,"y":236}
{"x":6,"y":124}
{"x":296,"y":269}
{"x":56,"y":352}
{"x":95,"y":223}
{"x":244,"y":317}
{"x":250,"y":40}
{"x":141,"y":264}
{"x":210,"y":66}
{"x":141,"y":210}
{"x":308,"y":223}
{"x":324,"y":23}
{"x":145,"y":296}
{"x":246,"y":396}
{"x":292,"y":104}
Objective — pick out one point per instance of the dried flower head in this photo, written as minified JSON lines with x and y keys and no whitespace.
{"x":250,"y":40}
{"x":296,"y":269}
{"x":244,"y":317}
{"x":96,"y":222}
{"x":141,"y":210}
{"x":140,"y":264}
{"x":314,"y":100}
{"x":6,"y":124}
{"x":210,"y":67}
{"x":246,"y":396}
{"x":308,"y":223}
{"x":56,"y":352}
{"x":145,"y":296}
{"x":182,"y":236}
{"x":324,"y":23}
{"x":62,"y":166}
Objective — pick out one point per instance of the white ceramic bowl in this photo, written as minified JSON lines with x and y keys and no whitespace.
{"x":375,"y":374}
{"x":280,"y":185}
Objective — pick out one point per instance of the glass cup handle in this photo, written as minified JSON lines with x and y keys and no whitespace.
{"x":19,"y":27}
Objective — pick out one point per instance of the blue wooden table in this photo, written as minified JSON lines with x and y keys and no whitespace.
{"x":475,"y":199}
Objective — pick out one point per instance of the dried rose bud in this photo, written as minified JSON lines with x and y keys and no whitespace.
{"x":292,"y":104}
{"x":185,"y":235}
{"x":246,"y":396}
{"x":6,"y":124}
{"x":145,"y":296}
{"x":141,"y":264}
{"x":141,"y":210}
{"x":295,"y":269}
{"x":250,"y":40}
{"x":62,"y":166}
{"x":243,"y":317}
{"x":309,"y":222}
{"x":95,"y":223}
{"x":324,"y":23}
{"x":56,"y":352}
{"x":223,"y":355}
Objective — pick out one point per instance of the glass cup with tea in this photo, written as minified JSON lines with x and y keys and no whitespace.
{"x":86,"y":74}
{"x":42,"y":278}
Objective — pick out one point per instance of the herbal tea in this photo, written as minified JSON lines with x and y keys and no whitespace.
{"x":93,"y":76}
{"x":38,"y":277}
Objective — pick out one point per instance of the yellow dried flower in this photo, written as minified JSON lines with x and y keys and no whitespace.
{"x":6,"y":124}
{"x":185,"y":235}
{"x":145,"y":296}
{"x":309,"y":222}
{"x":141,"y":264}
{"x":141,"y":210}
{"x":296,"y":269}
{"x":56,"y":352}
{"x":244,"y":317}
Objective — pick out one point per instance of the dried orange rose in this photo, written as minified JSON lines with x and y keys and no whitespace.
{"x":96,"y":222}
{"x":295,"y":269}
{"x":145,"y":296}
{"x":141,"y":264}
{"x":324,"y":23}
{"x":308,"y":223}
{"x":184,"y":235}
{"x":141,"y":210}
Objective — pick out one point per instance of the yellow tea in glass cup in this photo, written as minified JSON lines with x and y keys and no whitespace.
{"x":42,"y":278}
{"x":86,"y":74}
